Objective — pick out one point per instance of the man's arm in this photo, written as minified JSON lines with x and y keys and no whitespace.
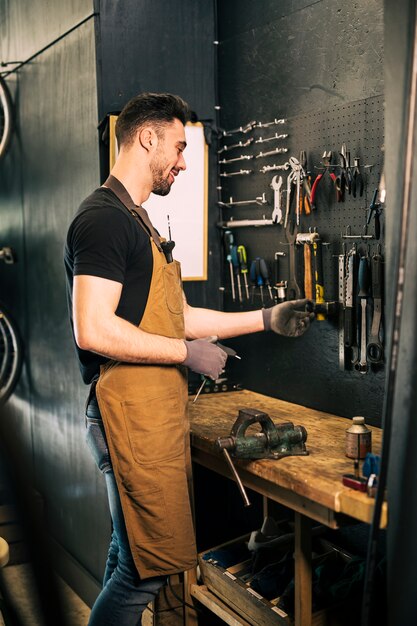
{"x":98,"y":329}
{"x":205,"y":322}
{"x":290,"y":319}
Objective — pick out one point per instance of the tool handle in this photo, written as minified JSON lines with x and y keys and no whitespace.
{"x":377,"y":225}
{"x":318,"y":276}
{"x":228,"y":239}
{"x":348,"y":328}
{"x":314,"y":191}
{"x":234,"y":259}
{"x":308,"y":280}
{"x":363,"y":277}
{"x":241,"y":251}
{"x":263,"y":270}
{"x":376,"y":270}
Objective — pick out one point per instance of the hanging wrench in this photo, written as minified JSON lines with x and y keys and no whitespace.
{"x":363,"y":280}
{"x":276,"y":185}
{"x":375,"y":349}
{"x":293,"y":289}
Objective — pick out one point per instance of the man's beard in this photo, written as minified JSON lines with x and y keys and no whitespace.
{"x":161,"y":186}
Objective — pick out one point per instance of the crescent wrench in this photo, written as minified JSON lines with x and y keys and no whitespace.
{"x":276,"y":185}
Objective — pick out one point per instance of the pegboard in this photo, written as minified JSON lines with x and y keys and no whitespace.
{"x":360,"y":126}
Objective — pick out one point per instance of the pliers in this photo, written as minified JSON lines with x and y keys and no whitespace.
{"x":342,"y":180}
{"x":306,"y":190}
{"x":357,"y":179}
{"x":327,"y":159}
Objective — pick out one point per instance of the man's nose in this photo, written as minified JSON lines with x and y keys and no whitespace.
{"x":181,"y":164}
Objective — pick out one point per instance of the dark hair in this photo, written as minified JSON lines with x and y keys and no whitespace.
{"x":157,"y":109}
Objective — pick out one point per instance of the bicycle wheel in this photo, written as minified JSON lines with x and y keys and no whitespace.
{"x":5,"y":117}
{"x":10,"y":355}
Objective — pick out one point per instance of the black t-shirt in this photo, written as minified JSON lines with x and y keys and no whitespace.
{"x":105,"y":240}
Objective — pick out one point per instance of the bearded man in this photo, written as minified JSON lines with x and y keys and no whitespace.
{"x":135,"y":336}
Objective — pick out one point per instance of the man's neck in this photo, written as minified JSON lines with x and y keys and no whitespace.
{"x":137,"y":188}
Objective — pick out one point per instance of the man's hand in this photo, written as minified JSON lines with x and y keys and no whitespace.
{"x":205,"y":357}
{"x":287,"y":318}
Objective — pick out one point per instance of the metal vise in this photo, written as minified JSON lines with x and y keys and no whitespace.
{"x":272,"y":442}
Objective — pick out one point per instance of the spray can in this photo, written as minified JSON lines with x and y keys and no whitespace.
{"x":358,"y":439}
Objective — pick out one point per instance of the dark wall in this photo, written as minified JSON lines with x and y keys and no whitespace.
{"x":320,"y":66}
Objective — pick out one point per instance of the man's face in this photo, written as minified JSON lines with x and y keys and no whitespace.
{"x":168,"y":160}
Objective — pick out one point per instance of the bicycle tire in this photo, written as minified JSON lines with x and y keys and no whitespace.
{"x":11,"y":355}
{"x":6,"y":119}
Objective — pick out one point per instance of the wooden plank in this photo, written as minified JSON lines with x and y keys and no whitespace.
{"x":216,"y":606}
{"x":315,"y":478}
{"x":190,"y":579}
{"x":302,"y":580}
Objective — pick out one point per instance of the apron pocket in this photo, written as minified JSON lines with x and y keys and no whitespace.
{"x":149,"y":514}
{"x":155,"y":427}
{"x":173,"y":288}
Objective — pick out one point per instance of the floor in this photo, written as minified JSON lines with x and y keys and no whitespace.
{"x":18,"y":579}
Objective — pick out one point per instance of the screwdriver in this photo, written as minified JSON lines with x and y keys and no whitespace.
{"x":263,"y":268}
{"x":230,"y":353}
{"x":256,"y":277}
{"x":241,"y":251}
{"x":235,"y":263}
{"x":228,"y":244}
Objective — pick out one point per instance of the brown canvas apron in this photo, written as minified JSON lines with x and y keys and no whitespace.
{"x":144,"y":411}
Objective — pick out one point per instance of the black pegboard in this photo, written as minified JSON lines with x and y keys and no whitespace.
{"x":360,"y":126}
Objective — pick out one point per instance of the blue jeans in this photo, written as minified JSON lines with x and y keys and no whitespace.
{"x":124,"y":595}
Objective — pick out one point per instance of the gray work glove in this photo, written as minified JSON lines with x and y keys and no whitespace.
{"x":206,"y":357}
{"x":287,"y":319}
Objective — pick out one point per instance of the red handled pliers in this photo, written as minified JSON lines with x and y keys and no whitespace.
{"x":327,"y":159}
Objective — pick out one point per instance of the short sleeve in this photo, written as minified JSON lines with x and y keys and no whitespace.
{"x":101,"y":240}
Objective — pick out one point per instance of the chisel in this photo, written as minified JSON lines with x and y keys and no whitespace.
{"x":228,"y":239}
{"x":318,"y":276}
{"x":243,"y":262}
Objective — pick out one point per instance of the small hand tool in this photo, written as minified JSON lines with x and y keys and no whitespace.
{"x":274,"y":168}
{"x":348,"y":297}
{"x":256,"y":277}
{"x":274,"y":138}
{"x":239,"y":144}
{"x":293,"y":289}
{"x":375,"y":349}
{"x":228,"y":239}
{"x":280,"y":286}
{"x":261,"y":155}
{"x":236,"y":268}
{"x":375,"y":210}
{"x":230,"y":354}
{"x":363,"y":282}
{"x":308,"y":279}
{"x":263,"y":268}
{"x":348,"y":173}
{"x":241,"y":129}
{"x":357,"y":179}
{"x":168,"y":246}
{"x":242,"y":157}
{"x":274,"y":441}
{"x":326,"y":158}
{"x":318,"y":276}
{"x":342,"y":303}
{"x":276,"y":185}
{"x":305,"y":201}
{"x":341,"y":180}
{"x":267,"y":124}
{"x":243,"y":262}
{"x":239,"y":173}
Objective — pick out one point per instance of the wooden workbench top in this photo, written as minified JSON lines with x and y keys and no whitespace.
{"x":317,"y":478}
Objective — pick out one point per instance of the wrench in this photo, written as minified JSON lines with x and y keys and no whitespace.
{"x":363,"y":280}
{"x":276,"y":185}
{"x":375,"y":349}
{"x":293,"y":289}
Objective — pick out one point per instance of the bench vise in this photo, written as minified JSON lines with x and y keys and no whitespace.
{"x":272,"y":442}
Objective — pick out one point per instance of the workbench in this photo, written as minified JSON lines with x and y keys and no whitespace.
{"x":309,"y":485}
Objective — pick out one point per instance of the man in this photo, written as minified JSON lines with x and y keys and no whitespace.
{"x":135,"y":336}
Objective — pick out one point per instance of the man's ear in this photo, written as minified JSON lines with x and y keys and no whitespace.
{"x":147,"y":138}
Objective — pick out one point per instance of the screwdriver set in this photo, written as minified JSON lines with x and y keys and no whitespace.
{"x":308,"y":222}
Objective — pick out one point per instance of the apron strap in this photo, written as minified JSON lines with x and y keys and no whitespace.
{"x":138,"y":212}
